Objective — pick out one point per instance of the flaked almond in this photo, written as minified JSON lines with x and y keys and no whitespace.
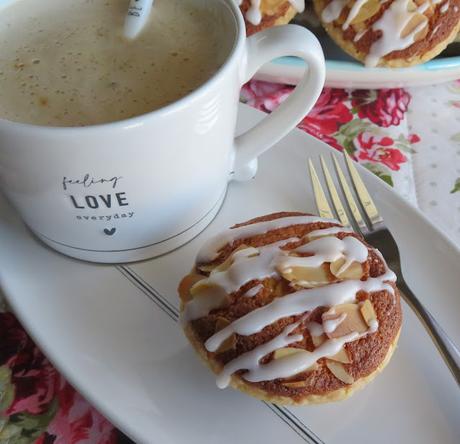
{"x":186,"y":284}
{"x":352,"y":271}
{"x":416,"y":20}
{"x":230,"y":342}
{"x":317,"y":234}
{"x":368,"y":313}
{"x":248,"y":252}
{"x":353,"y":320}
{"x":295,"y":384}
{"x":269,"y":7}
{"x":318,"y":340}
{"x":287,"y":351}
{"x":338,"y":370}
{"x":208,"y":268}
{"x":369,"y":9}
{"x":307,"y":277}
{"x":209,"y":297}
{"x":341,"y":356}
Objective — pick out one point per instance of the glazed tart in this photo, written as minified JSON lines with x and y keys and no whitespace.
{"x":262,"y":14}
{"x":391,"y":33}
{"x":291,"y":308}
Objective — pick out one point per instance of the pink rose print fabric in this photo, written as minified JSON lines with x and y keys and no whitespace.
{"x":367,"y":123}
{"x":36,"y":404}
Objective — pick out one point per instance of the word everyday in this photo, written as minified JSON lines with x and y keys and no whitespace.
{"x":106,"y":218}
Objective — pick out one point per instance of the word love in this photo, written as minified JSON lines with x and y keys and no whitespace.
{"x":99,"y":201}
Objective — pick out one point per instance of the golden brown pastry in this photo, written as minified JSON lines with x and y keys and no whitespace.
{"x":392,"y":33}
{"x":262,"y":14}
{"x":291,"y":308}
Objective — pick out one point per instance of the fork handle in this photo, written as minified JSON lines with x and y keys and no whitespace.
{"x":445,"y":346}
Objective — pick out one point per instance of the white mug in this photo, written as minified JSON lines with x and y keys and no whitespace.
{"x":137,"y":188}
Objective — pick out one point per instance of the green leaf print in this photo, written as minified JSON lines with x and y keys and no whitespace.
{"x":24,"y":428}
{"x":403,"y":144}
{"x":380,"y":171}
{"x":456,"y":186}
{"x":6,"y":388}
{"x":349,"y":131}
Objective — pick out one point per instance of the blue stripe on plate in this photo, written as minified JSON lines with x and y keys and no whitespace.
{"x":336,"y":65}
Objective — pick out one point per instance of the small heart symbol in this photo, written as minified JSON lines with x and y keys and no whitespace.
{"x":109,"y":232}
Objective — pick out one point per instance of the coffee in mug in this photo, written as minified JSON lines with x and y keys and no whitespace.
{"x":70,"y":65}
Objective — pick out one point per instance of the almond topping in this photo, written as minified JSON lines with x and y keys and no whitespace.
{"x":368,"y":313}
{"x":352,"y":271}
{"x":224,"y":265}
{"x":353,"y":321}
{"x":287,"y":351}
{"x":318,"y":340}
{"x":230,"y":342}
{"x":370,"y":8}
{"x":308,"y":277}
{"x":416,"y":20}
{"x":186,"y":285}
{"x":341,"y":356}
{"x":338,"y":370}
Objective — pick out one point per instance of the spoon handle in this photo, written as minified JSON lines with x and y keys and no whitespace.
{"x":136,"y":17}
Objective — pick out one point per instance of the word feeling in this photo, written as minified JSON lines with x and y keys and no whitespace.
{"x":87,"y":181}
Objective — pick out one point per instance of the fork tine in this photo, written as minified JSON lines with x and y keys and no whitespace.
{"x":334,"y":195}
{"x":364,"y":197}
{"x":324,"y":210}
{"x":349,"y":199}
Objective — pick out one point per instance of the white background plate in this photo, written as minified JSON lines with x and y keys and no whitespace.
{"x":113,"y":332}
{"x":342,"y":71}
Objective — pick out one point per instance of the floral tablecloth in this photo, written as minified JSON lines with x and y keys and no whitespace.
{"x":410,"y":138}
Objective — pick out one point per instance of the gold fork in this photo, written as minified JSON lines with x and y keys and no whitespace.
{"x":366,"y":220}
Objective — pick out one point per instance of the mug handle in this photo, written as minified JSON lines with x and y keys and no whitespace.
{"x":288,"y":40}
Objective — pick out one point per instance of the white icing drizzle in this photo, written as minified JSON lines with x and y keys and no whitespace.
{"x":354,"y":11}
{"x":253,"y":291}
{"x":248,"y":265}
{"x":435,"y":30}
{"x":360,"y":34}
{"x":373,"y":325}
{"x":300,"y":302}
{"x":254,"y":13}
{"x":315,"y":328}
{"x":423,"y":7}
{"x":328,"y":232}
{"x":391,"y":24}
{"x":455,"y":9}
{"x":250,"y":360}
{"x":296,"y":363}
{"x":201,"y":306}
{"x":258,"y":263}
{"x":325,"y":249}
{"x":210,"y":249}
{"x":445,"y":7}
{"x":330,"y":325}
{"x":333,"y":10}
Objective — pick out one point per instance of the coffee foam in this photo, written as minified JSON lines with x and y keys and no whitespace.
{"x":67,"y":63}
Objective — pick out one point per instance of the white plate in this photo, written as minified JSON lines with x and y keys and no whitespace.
{"x":113,"y":330}
{"x":342,"y":71}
